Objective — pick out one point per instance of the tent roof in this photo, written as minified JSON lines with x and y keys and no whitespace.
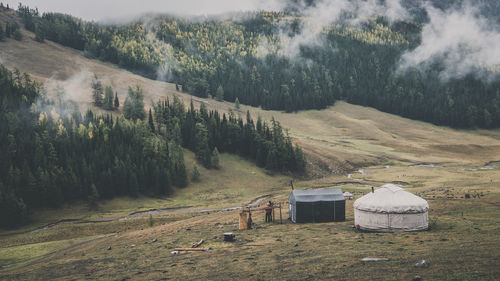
{"x":315,"y":195}
{"x":391,"y":198}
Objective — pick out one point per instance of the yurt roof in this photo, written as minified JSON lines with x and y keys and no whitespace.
{"x":315,"y":195}
{"x":391,"y":198}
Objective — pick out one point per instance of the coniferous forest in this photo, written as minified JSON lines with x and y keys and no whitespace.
{"x":52,"y":154}
{"x":240,"y":58}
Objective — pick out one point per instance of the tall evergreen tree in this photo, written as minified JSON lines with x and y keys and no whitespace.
{"x":97,"y":91}
{"x":133,"y":106}
{"x":195,"y":174}
{"x":117,"y":101}
{"x":202,"y":150}
{"x":108,"y":98}
{"x":151,"y":122}
{"x":237,"y":103}
{"x":39,"y":33}
{"x":215,"y":162}
{"x":2,"y":32}
{"x":219,"y":94}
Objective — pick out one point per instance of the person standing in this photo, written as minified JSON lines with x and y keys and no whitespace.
{"x":268,"y":210}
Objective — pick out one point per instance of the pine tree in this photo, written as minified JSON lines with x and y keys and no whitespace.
{"x":195,"y":174}
{"x":108,"y":98}
{"x":117,"y":101}
{"x":8,"y":30}
{"x":2,"y":32}
{"x":237,"y":103}
{"x":39,"y":34}
{"x":97,"y":91}
{"x":202,"y":150}
{"x":133,"y":107}
{"x":219,"y":94}
{"x":151,"y":122}
{"x":215,"y":162}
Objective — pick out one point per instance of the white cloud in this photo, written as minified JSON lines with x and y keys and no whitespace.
{"x":326,"y":12}
{"x":463,"y":40}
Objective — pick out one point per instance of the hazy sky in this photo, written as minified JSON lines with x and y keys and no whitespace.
{"x":118,"y":9}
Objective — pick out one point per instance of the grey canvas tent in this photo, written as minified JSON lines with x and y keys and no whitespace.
{"x":317,"y":205}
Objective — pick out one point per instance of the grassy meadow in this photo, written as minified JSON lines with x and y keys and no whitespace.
{"x":110,"y":243}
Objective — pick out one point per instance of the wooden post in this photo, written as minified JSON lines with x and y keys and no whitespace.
{"x":281,"y":221}
{"x":273,"y":211}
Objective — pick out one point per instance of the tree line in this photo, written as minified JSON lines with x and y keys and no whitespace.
{"x":207,"y":133}
{"x":225,"y":59}
{"x":52,"y":156}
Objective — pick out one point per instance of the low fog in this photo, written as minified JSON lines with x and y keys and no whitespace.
{"x":460,"y":37}
{"x":324,"y":13}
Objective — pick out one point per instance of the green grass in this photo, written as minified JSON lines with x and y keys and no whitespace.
{"x":323,"y":251}
{"x":338,"y":140}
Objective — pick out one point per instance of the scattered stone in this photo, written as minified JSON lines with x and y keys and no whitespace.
{"x":417,"y":278}
{"x":422,"y":263}
{"x":374,"y":259}
{"x":444,"y":239}
{"x":217,"y":223}
{"x":174,"y":252}
{"x":467,"y":195}
{"x":132,"y":246}
{"x":296,"y":245}
{"x":109,"y":248}
{"x":279,"y":240}
{"x":154,"y":240}
{"x":188,"y":228}
{"x":74,"y":267}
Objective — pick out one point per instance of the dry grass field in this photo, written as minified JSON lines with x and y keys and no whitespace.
{"x":462,"y":244}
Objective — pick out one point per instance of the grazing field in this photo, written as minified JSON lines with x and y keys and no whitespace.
{"x":461,"y":245}
{"x":350,"y":147}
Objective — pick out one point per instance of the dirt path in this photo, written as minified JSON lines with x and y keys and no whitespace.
{"x":257,"y":201}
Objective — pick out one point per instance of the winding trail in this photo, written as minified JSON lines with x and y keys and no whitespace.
{"x":182,"y":210}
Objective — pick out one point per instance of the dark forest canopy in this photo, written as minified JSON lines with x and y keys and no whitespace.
{"x":51,"y":154}
{"x":356,"y":64}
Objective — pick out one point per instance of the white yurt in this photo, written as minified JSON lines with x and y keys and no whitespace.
{"x":391,"y":208}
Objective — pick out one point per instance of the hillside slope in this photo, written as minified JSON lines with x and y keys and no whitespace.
{"x":340,"y":137}
{"x":114,"y":245}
